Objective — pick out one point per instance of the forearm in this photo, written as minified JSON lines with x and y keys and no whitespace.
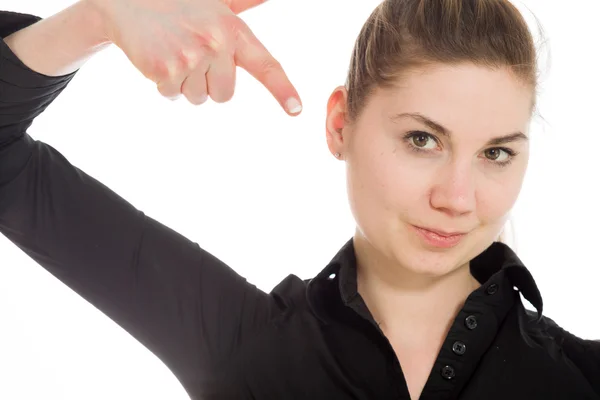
{"x":62,"y":43}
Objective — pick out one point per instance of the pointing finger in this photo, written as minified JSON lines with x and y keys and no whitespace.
{"x":251,"y":55}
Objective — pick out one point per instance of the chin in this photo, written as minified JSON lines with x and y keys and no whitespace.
{"x":430,"y":260}
{"x":429,"y":264}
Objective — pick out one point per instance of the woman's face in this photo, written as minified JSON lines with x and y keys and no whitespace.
{"x":446,"y":150}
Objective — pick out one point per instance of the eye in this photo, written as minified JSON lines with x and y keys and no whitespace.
{"x":426,"y":143}
{"x":422,"y":141}
{"x":498,"y":155}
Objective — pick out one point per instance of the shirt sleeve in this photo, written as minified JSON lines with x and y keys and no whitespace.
{"x":182,"y":303}
{"x":584,"y":353}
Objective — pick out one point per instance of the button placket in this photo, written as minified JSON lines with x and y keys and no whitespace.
{"x":459,"y":347}
{"x":448,"y":372}
{"x":453,"y":362}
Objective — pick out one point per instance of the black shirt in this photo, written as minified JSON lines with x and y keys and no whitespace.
{"x":225,"y":339}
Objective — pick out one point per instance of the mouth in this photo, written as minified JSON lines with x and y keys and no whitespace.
{"x":438,"y":238}
{"x":442,"y":233}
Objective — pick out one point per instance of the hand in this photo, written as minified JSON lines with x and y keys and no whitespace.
{"x":192,"y":47}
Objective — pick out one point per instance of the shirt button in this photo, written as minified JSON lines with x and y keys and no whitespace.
{"x":493,"y":288}
{"x":471,"y":322}
{"x":459,"y":348}
{"x":448,"y":372}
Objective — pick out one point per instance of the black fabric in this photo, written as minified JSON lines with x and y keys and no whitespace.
{"x":225,"y":339}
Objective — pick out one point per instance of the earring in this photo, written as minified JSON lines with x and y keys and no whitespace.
{"x":337,"y":155}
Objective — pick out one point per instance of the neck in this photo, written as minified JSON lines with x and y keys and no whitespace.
{"x":415,"y":307}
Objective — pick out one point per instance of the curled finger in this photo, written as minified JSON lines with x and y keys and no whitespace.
{"x":194,"y":87}
{"x":220,"y":78}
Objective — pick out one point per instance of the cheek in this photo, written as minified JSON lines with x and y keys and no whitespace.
{"x":380,"y":186}
{"x":496,"y":199}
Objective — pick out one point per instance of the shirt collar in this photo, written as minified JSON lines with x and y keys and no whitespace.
{"x":497,"y":259}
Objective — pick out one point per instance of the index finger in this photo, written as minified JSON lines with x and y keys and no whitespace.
{"x":251,"y":55}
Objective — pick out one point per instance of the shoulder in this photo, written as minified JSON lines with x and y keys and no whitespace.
{"x":584,"y":353}
{"x":560,"y":334}
{"x":290,"y":293}
{"x":11,"y":22}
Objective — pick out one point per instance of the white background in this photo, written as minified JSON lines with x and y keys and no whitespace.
{"x":252,"y":186}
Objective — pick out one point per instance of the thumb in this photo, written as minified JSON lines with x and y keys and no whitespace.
{"x":237,"y":6}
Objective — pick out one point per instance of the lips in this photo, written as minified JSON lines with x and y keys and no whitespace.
{"x":446,"y":234}
{"x":438,"y":239}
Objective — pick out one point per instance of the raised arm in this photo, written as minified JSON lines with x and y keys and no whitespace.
{"x":181,"y":302}
{"x":58,"y":45}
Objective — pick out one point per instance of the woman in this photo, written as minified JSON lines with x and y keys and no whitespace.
{"x":422,"y":302}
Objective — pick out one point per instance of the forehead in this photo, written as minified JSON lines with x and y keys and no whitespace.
{"x":464,"y":97}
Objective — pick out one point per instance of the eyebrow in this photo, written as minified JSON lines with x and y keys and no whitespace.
{"x":440,"y":129}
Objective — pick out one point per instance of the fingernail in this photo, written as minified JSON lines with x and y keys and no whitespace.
{"x":174,"y":97}
{"x":293,"y":105}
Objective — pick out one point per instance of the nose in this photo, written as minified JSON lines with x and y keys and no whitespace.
{"x":453,"y":191}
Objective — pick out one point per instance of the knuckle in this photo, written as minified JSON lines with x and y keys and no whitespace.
{"x":188,"y":57}
{"x":161,"y":70}
{"x":170,"y":68}
{"x":228,"y":25}
{"x":211,"y":37}
{"x":219,"y":34}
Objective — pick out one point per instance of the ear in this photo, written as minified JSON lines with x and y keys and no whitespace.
{"x":336,"y":120}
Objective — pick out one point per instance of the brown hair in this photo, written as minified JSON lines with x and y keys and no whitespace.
{"x":402,"y":35}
